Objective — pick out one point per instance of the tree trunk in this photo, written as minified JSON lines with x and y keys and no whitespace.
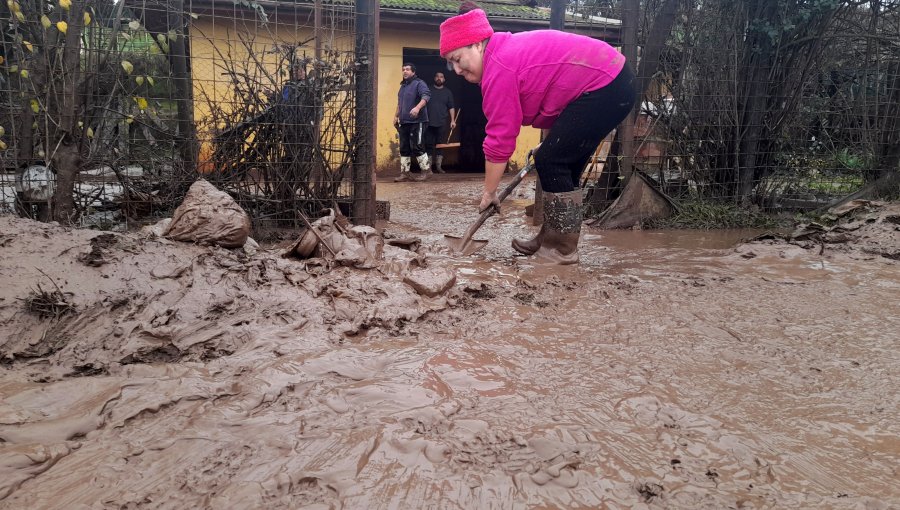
{"x":754,"y":114}
{"x":753,"y":104}
{"x":625,"y":133}
{"x":887,"y":157}
{"x":656,"y":41}
{"x":67,"y":163}
{"x":65,"y":157}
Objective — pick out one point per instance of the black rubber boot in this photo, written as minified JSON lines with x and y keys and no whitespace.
{"x":561,"y":228}
{"x":529,"y":246}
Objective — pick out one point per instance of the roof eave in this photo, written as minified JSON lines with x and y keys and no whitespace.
{"x":609,"y":32}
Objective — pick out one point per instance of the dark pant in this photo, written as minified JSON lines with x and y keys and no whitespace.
{"x":412,"y":139}
{"x":580,"y":128}
{"x":433,"y":136}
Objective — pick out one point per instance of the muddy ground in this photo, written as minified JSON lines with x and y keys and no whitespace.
{"x":668,"y":370}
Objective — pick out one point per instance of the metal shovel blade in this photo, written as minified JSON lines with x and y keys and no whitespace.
{"x":464,"y":246}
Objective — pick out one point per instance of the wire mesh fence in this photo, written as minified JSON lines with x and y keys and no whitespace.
{"x":779,"y":105}
{"x":111,"y":111}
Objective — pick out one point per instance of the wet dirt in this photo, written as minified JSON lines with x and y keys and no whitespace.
{"x":667,"y":370}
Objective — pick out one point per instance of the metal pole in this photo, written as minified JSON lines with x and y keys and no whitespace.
{"x":557,"y":22}
{"x":317,"y":29}
{"x":363,"y":208}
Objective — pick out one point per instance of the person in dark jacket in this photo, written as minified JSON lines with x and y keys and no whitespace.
{"x":299,"y":113}
{"x":411,"y":120}
{"x":439,"y":106}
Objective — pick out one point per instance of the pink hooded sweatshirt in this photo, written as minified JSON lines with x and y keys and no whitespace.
{"x":530,"y":77}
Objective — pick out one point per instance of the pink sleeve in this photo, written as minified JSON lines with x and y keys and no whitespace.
{"x":503,"y":110}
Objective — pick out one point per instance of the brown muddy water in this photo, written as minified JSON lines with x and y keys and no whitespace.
{"x":668,"y":370}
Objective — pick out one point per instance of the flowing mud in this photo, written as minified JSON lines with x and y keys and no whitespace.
{"x":668,"y":370}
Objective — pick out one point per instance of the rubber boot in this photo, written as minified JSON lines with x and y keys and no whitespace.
{"x":405,"y":162}
{"x":425,"y":165}
{"x":562,"y":222}
{"x":438,"y":160}
{"x":529,"y":246}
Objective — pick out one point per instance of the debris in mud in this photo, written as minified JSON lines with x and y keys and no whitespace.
{"x":479,"y":290}
{"x":49,"y":304}
{"x":860,"y":228}
{"x":640,"y":201}
{"x":649,"y":491}
{"x":331,"y":240}
{"x":407,"y":243}
{"x":526,"y":298}
{"x":99,"y":245}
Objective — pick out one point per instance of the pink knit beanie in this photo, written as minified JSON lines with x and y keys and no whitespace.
{"x":463,"y":30}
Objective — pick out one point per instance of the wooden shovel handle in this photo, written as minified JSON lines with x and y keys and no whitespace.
{"x":487,"y":213}
{"x":450,"y":135}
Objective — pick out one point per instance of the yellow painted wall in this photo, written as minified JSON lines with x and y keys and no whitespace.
{"x":209,"y":31}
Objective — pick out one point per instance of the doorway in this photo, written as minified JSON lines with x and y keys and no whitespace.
{"x":470,"y":124}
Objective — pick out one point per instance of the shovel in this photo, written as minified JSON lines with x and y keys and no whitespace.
{"x":465,"y":244}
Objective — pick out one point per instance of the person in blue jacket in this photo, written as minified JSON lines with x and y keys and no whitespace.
{"x":411,"y":120}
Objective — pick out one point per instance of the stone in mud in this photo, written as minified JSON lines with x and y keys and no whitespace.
{"x":209,"y":216}
{"x":431,"y":282}
{"x":158,"y":228}
{"x":251,"y":246}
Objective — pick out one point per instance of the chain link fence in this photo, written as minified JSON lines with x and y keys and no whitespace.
{"x":769,"y":104}
{"x":111,"y":111}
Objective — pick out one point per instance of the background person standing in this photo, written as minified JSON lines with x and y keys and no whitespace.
{"x":440,"y":104}
{"x":411,"y":120}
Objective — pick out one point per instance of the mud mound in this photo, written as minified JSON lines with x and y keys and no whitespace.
{"x":129,"y":299}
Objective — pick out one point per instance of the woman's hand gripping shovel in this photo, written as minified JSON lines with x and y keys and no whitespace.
{"x":465,"y":244}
